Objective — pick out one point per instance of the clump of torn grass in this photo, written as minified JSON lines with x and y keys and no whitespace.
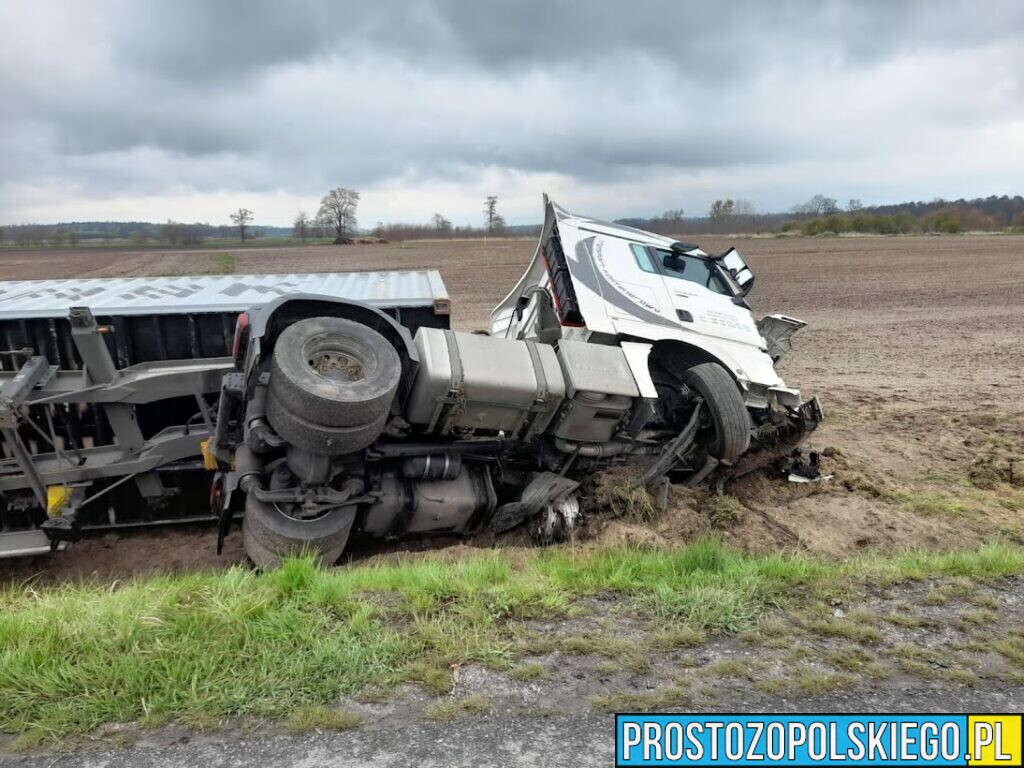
{"x":723,"y":511}
{"x":933,"y":503}
{"x":620,"y":492}
{"x":997,"y":462}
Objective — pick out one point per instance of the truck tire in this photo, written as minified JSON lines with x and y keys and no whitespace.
{"x":334,"y":372}
{"x":270,"y":535}
{"x":316,"y":438}
{"x":728,"y":412}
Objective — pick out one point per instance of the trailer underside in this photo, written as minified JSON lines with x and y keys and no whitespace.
{"x":105,"y":409}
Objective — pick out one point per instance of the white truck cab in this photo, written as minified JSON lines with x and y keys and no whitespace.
{"x":606,"y":283}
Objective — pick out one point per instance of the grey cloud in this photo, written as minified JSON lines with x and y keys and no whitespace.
{"x":265,"y":95}
{"x":197,"y":40}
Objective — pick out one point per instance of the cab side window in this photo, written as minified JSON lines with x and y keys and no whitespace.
{"x":643,"y":258}
{"x":694,"y":269}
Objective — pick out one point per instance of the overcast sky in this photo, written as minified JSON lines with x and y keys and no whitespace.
{"x":189,"y":109}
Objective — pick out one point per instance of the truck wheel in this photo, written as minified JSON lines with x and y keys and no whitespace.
{"x":728,"y":413}
{"x":316,"y":438}
{"x":270,"y":535}
{"x":334,"y":372}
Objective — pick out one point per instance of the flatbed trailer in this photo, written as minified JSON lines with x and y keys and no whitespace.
{"x":109,"y":389}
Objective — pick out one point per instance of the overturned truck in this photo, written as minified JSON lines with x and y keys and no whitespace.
{"x":316,"y":407}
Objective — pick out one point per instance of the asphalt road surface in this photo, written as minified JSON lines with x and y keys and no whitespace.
{"x":578,"y":740}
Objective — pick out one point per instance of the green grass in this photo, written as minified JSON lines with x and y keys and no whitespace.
{"x":200,"y":647}
{"x":933,"y":503}
{"x":316,"y":717}
{"x":450,"y":709}
{"x":529,"y":672}
{"x":222,"y":264}
{"x":678,"y":637}
{"x":728,"y":668}
{"x":662,"y":698}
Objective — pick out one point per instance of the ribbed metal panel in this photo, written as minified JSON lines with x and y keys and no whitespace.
{"x":30,"y":299}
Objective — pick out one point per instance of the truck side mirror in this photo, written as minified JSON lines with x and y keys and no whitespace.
{"x":739,"y":270}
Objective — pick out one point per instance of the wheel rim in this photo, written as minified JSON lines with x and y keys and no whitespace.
{"x":334,"y":361}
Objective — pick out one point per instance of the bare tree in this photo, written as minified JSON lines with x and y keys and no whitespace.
{"x":441,"y":224}
{"x":743,"y":208}
{"x":720,"y":213}
{"x":819,"y":205}
{"x":171,"y":232}
{"x":175,"y":232}
{"x":854,"y":205}
{"x":745,"y":217}
{"x":491,"y":213}
{"x":300,"y":228}
{"x":241,"y":219}
{"x":338,"y":210}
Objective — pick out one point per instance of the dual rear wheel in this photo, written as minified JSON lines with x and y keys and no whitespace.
{"x":332,"y":382}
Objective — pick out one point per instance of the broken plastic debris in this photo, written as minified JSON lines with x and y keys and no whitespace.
{"x":794,"y":477}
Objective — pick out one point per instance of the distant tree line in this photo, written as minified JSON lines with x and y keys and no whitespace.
{"x":726,"y":216}
{"x":336,"y":218}
{"x":822,"y":215}
{"x":134,"y":232}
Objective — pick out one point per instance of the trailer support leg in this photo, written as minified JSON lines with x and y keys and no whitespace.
{"x":98,"y":363}
{"x":24,"y":459}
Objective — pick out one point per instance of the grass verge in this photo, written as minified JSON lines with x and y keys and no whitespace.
{"x":205,"y":646}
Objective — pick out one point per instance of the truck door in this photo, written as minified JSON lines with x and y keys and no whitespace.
{"x":703,"y":299}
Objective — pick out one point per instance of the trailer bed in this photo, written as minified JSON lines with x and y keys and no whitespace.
{"x":29,"y":299}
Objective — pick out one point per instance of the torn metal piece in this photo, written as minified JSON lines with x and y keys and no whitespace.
{"x":804,"y":467}
{"x":558,"y":521}
{"x":542,"y":490}
{"x":795,"y":478}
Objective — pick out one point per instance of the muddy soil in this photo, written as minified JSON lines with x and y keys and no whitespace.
{"x":915,"y":347}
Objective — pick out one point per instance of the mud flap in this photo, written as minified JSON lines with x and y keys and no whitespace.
{"x":220,"y":507}
{"x":542,"y":489}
